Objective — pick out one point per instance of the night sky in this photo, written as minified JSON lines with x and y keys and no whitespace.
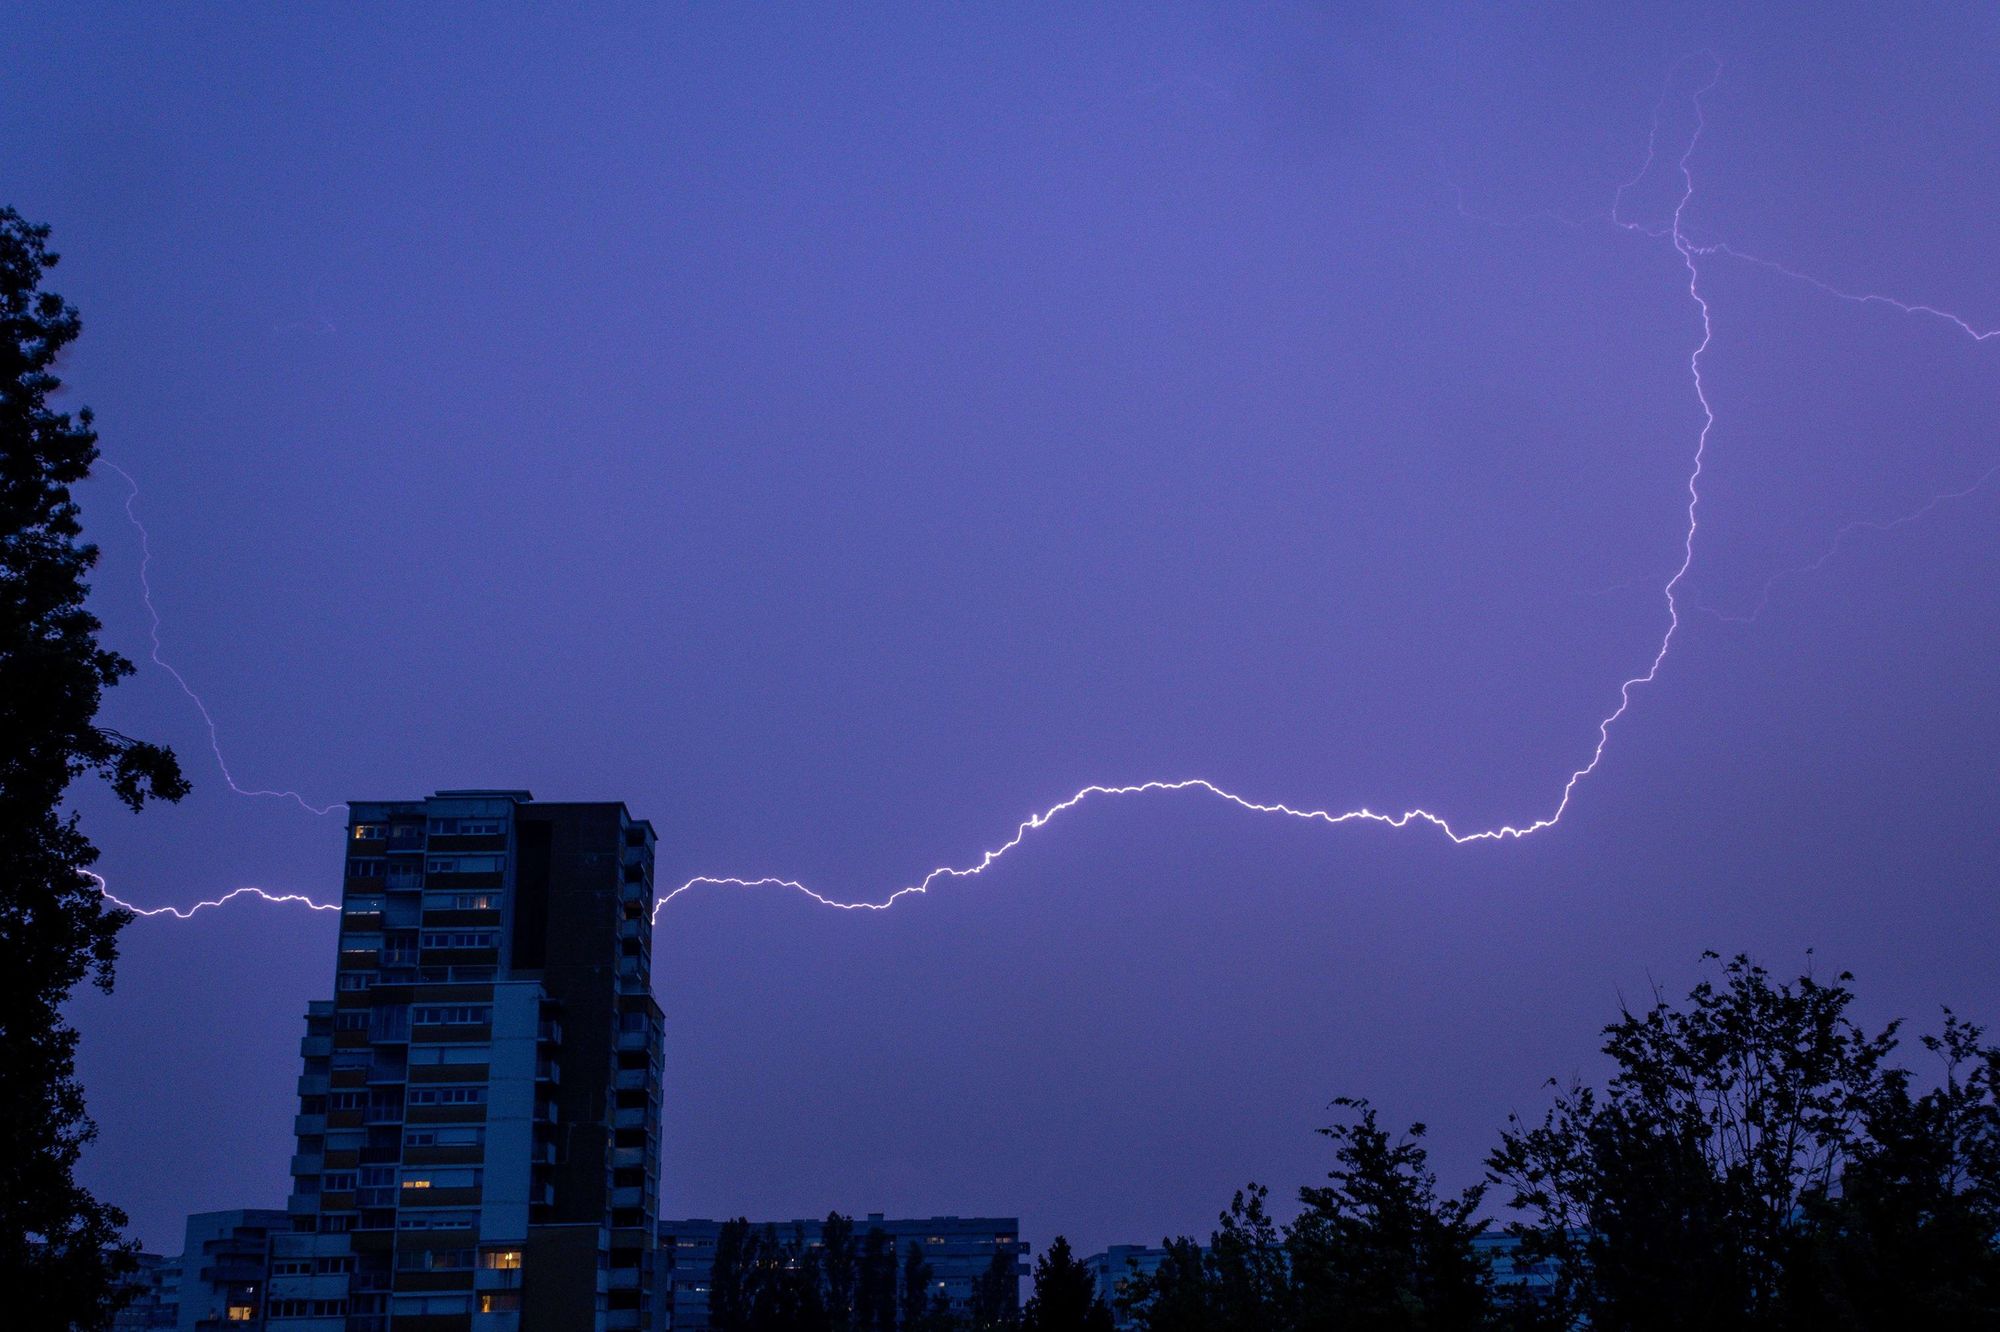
{"x":839,"y":436}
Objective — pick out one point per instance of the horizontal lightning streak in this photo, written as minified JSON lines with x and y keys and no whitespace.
{"x":1504,"y":832}
{"x":1688,"y":250}
{"x":178,"y":913}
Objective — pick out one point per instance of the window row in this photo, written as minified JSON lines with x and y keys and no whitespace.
{"x":461,"y":939}
{"x":464,"y":864}
{"x":468,"y":827}
{"x":307,"y":1309}
{"x":451,"y":1015}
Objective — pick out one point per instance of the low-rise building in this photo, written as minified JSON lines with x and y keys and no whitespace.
{"x":959,"y":1249}
{"x":154,"y":1302}
{"x":225,"y":1265}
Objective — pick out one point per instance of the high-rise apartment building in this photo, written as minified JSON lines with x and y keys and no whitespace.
{"x":479,"y":1112}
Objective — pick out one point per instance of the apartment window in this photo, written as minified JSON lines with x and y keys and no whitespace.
{"x":467,"y":827}
{"x":419,"y":1306}
{"x":447,"y":1096}
{"x":463,"y":864}
{"x":338,"y":1181}
{"x":436,"y":1220}
{"x":370,"y":832}
{"x":405,"y":876}
{"x":346,"y":1100}
{"x":308,"y":1308}
{"x":449,"y":1054}
{"x":351,"y":1019}
{"x":442,"y":1177}
{"x":434,"y":1260}
{"x":291,"y":1267}
{"x":241,"y":1313}
{"x":366,"y":867}
{"x":446,"y":1135}
{"x":451,"y":1015}
{"x":501,"y":1260}
{"x":354,"y":980}
{"x":461,"y":939}
{"x":499,"y":1301}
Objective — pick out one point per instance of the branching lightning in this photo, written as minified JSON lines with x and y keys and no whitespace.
{"x":1840,"y":536}
{"x":1690,"y":253}
{"x":153,"y":613}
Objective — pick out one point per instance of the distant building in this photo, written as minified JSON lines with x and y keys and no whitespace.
{"x":1535,"y":1279}
{"x":223,"y":1270}
{"x":959,"y":1250}
{"x":1116,"y":1267}
{"x":155,"y":1300}
{"x":479,"y":1109}
{"x":1114,"y":1270}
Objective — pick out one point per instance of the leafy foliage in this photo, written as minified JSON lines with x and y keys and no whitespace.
{"x":1756,"y":1163}
{"x":59,"y":1251}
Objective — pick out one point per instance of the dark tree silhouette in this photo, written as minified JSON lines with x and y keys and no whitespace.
{"x":1065,"y":1298}
{"x":60,"y":1255}
{"x":731,"y":1283}
{"x":875,"y":1283}
{"x":1910,"y":1239}
{"x":1177,"y":1296}
{"x":1684,"y":1194}
{"x":996,"y":1296}
{"x":1377,"y":1247}
{"x":837,"y":1267}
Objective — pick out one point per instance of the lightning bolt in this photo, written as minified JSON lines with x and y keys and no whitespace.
{"x":178,"y":913}
{"x":1840,"y":536}
{"x":153,"y":612}
{"x":1690,"y":253}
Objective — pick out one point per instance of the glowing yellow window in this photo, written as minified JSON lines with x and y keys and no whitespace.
{"x":499,"y":1301}
{"x":242,"y":1313}
{"x":504,"y":1259}
{"x":416,"y":1183}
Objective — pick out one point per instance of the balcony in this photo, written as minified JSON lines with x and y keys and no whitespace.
{"x":308,"y":1125}
{"x":316,"y":1047}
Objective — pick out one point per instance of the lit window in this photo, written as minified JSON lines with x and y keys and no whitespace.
{"x":508,"y":1260}
{"x":242,"y":1313}
{"x":499,"y":1301}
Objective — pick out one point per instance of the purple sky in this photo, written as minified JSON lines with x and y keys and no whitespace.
{"x":839,"y":437}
